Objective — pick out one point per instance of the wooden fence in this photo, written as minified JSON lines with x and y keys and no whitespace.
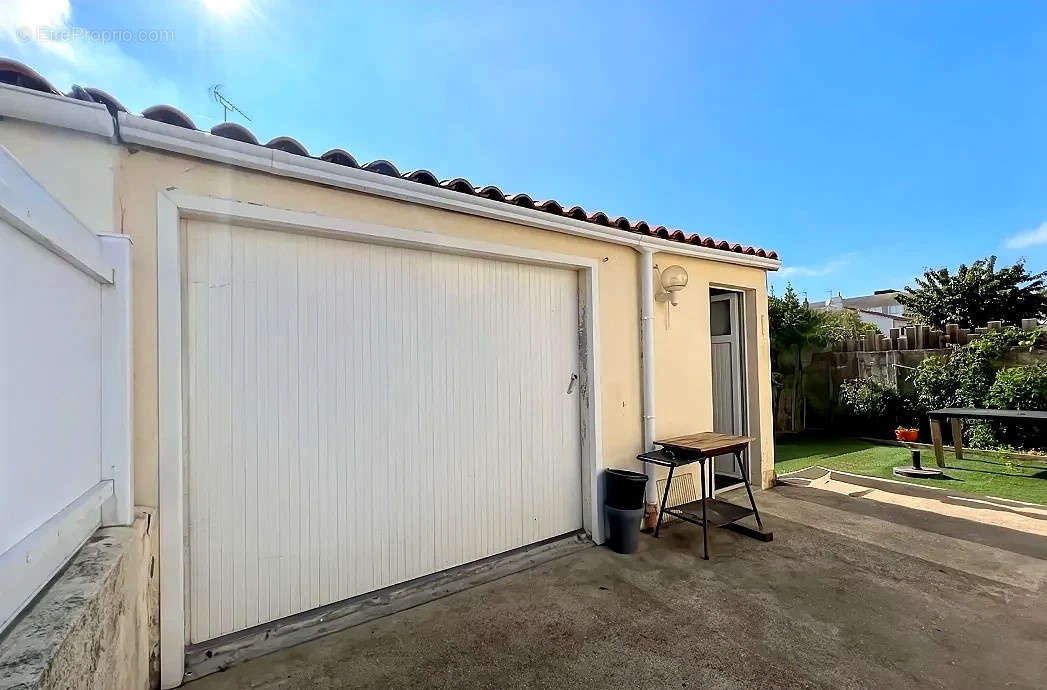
{"x":922,"y":337}
{"x":890,"y":358}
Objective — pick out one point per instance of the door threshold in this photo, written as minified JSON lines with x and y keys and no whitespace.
{"x":724,"y":482}
{"x":212,"y":656}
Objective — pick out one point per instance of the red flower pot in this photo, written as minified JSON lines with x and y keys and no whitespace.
{"x":903,"y":434}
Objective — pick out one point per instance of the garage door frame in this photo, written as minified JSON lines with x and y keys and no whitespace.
{"x":173,"y":207}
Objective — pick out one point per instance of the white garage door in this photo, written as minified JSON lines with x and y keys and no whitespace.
{"x":360,"y":415}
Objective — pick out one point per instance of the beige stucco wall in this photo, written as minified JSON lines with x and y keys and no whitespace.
{"x":682,"y":348}
{"x":683,"y":354}
{"x":77,"y":169}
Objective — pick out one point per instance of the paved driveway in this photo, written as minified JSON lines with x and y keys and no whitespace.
{"x":816,"y":608}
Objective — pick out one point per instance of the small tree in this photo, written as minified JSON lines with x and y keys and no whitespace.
{"x":846,"y":323}
{"x":976,"y":294}
{"x":797,"y":330}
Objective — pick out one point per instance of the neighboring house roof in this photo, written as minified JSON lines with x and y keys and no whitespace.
{"x":895,"y":317}
{"x":883,"y":298}
{"x":880,"y":298}
{"x":17,"y":74}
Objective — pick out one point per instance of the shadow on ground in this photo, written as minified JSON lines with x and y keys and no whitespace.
{"x":812,"y":609}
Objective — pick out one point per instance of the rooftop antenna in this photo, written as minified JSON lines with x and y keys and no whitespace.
{"x":227,"y":105}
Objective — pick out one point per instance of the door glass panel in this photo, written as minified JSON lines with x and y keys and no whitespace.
{"x":720,"y":317}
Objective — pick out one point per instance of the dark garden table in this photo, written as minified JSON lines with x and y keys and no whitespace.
{"x":955,"y":415}
{"x":684,"y":450}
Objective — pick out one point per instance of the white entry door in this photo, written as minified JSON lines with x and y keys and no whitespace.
{"x":728,"y":396}
{"x":360,"y":415}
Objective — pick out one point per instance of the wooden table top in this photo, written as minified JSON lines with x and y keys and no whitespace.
{"x":975,"y":413}
{"x":707,"y":443}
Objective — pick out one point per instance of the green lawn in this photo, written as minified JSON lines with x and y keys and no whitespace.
{"x":1021,"y":480}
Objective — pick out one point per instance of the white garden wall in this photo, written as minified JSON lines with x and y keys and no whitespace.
{"x":65,"y":450}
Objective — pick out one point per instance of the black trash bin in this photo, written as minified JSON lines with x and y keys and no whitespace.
{"x":623,"y":508}
{"x":624,"y":489}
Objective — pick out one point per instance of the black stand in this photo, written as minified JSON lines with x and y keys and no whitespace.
{"x":714,"y":511}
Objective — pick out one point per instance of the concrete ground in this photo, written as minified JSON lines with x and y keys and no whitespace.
{"x":860,"y":601}
{"x":1014,"y":516}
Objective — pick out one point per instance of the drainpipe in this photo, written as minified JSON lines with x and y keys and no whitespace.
{"x":647,"y":362}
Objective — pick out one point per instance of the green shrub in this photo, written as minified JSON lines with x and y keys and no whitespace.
{"x":874,"y":407}
{"x":1019,"y":388}
{"x":963,"y":378}
{"x":966,"y":377}
{"x":936,"y":383}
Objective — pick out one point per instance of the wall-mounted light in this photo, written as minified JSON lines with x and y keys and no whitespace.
{"x":674,"y":279}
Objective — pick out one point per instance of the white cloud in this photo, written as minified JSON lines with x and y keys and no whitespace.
{"x":44,"y":35}
{"x":27,"y":21}
{"x":831,"y":266}
{"x":1029,"y":238}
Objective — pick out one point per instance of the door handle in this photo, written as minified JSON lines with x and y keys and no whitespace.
{"x":570,"y":385}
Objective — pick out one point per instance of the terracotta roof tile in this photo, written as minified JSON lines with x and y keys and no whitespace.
{"x":114,"y":106}
{"x":459,"y":184}
{"x":382,"y":167}
{"x":231,"y":130}
{"x":551,"y":206}
{"x":15,"y":73}
{"x":288,"y":145}
{"x":168,"y":114}
{"x":340,"y":157}
{"x":521,"y":200}
{"x":491,"y":192}
{"x":422,"y":177}
{"x":18,"y":74}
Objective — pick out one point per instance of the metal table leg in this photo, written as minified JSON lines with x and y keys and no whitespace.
{"x":665,"y":499}
{"x":748,"y":489}
{"x":705,"y":522}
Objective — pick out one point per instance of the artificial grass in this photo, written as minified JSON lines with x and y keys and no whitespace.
{"x":1020,"y":480}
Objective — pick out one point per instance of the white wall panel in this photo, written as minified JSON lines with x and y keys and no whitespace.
{"x":360,"y":415}
{"x":50,"y":384}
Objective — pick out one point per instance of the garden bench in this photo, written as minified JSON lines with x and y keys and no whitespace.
{"x":955,"y":415}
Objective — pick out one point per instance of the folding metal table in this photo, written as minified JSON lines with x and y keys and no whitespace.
{"x":684,"y":450}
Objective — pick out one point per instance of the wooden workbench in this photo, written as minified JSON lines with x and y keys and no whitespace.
{"x":684,"y":450}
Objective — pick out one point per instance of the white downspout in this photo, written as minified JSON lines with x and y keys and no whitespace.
{"x":647,"y":362}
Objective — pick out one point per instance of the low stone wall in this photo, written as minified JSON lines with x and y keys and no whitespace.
{"x":95,"y":624}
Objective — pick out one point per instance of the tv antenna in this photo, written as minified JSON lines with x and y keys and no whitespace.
{"x":227,"y":105}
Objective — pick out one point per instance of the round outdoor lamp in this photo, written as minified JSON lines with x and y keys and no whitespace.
{"x":674,"y":279}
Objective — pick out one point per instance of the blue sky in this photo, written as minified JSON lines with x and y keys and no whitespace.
{"x":862,"y":140}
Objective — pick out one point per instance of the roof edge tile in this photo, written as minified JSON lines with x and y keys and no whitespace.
{"x":18,"y":74}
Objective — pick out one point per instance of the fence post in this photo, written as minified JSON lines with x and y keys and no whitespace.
{"x":117,"y":442}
